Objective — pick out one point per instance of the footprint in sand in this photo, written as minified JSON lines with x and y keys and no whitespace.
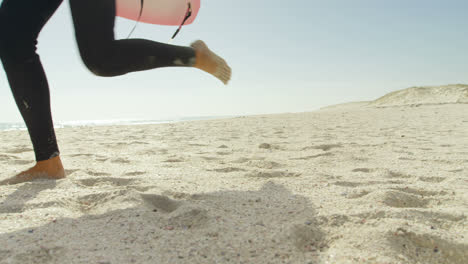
{"x":93,"y":173}
{"x":384,"y":172}
{"x":197,"y":145}
{"x":394,"y":174}
{"x":244,"y":160}
{"x":177,"y":195}
{"x":426,"y":149}
{"x":427,"y":248}
{"x":174,"y":160}
{"x":348,"y":184}
{"x":406,"y":158}
{"x":269,"y":146}
{"x":228,"y":169}
{"x":159,"y":151}
{"x":209,"y":158}
{"x":272,"y":174}
{"x":307,"y":237}
{"x":333,"y":220}
{"x":160,"y":203}
{"x":366,"y":170}
{"x":355,"y":194}
{"x":241,"y":160}
{"x":138,"y":143}
{"x":325,"y":147}
{"x":223,"y":153}
{"x":420,"y":192}
{"x":399,"y":199}
{"x":188,"y":217}
{"x":70,"y":172}
{"x":436,"y":219}
{"x":446,"y":146}
{"x":432,"y":179}
{"x":134,"y":173}
{"x":367,"y":183}
{"x":120,"y":161}
{"x":91,"y":182}
{"x":264,"y":164}
{"x":265,"y":146}
{"x":327,"y":154}
{"x":149,"y":152}
{"x":95,"y":201}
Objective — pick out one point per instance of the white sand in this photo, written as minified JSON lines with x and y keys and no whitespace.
{"x":353,"y":184}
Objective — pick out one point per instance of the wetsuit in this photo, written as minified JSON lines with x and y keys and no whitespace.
{"x":20,"y":24}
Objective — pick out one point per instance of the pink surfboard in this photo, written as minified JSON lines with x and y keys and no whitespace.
{"x":161,"y":12}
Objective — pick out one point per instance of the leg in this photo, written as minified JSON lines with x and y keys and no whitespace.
{"x":105,"y":56}
{"x":20,"y":24}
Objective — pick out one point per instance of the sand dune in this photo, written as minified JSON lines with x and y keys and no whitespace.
{"x":448,"y":94}
{"x":349,"y":184}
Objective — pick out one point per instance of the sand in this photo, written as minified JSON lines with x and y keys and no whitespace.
{"x":357,"y":183}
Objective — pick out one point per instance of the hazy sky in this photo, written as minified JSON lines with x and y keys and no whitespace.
{"x":286,"y":56}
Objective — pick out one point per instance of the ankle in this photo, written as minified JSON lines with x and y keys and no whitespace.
{"x":53,"y":167}
{"x":208,"y":61}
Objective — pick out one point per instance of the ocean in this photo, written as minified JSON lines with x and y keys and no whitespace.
{"x":5,"y":126}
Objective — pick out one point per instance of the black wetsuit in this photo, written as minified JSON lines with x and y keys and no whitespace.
{"x":20,"y":24}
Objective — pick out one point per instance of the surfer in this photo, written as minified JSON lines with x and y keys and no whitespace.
{"x":20,"y":24}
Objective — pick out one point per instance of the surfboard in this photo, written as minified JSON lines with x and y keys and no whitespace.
{"x":161,"y":12}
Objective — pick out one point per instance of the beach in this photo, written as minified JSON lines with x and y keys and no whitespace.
{"x":369,"y":182}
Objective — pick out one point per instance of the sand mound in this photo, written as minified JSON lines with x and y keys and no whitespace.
{"x":447,"y":94}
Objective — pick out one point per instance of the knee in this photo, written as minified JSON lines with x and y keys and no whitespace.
{"x":98,"y":68}
{"x":16,"y":46}
{"x":98,"y":61}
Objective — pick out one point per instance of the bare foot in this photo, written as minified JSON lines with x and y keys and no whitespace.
{"x":208,"y":61}
{"x":47,"y":169}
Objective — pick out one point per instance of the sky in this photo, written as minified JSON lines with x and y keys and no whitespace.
{"x":286,"y":56}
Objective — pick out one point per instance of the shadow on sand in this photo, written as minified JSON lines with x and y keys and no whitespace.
{"x":269,"y":225}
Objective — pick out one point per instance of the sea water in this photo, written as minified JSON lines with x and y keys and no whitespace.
{"x":114,"y":122}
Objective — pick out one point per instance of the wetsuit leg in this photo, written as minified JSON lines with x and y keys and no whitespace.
{"x":106,"y":56}
{"x":20,"y":24}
